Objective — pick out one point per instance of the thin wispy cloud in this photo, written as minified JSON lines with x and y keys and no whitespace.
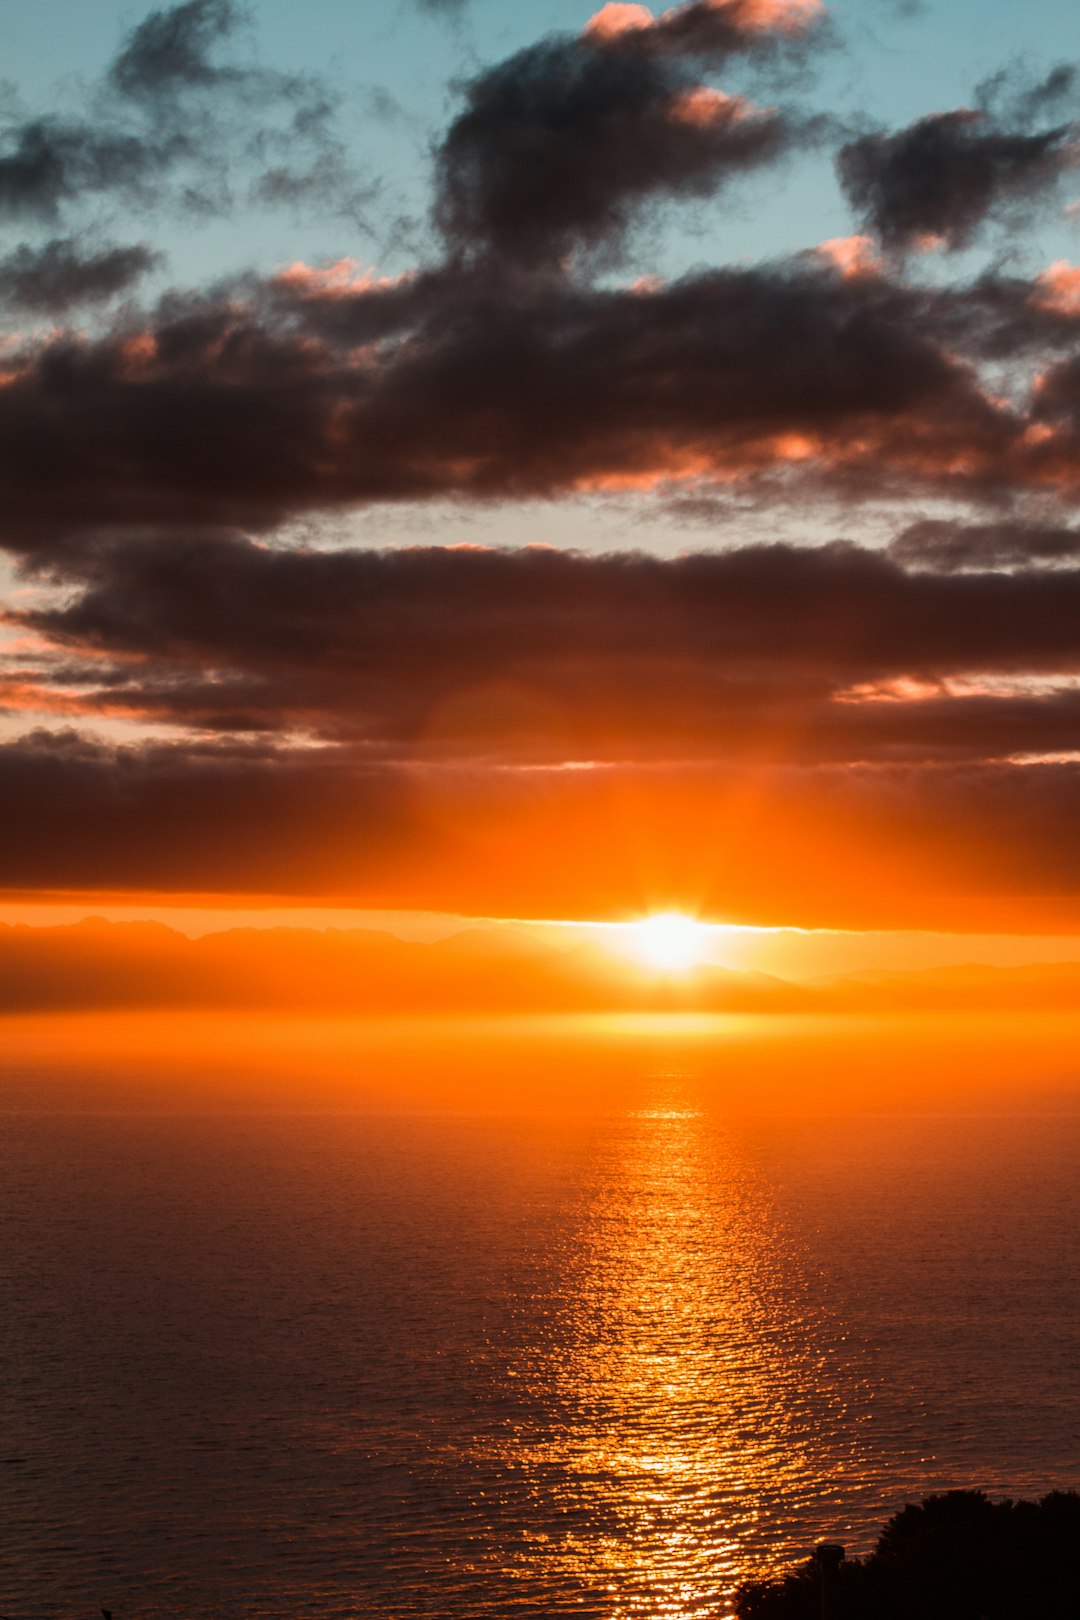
{"x":180,"y":120}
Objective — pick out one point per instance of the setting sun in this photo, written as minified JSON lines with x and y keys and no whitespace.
{"x":670,"y":941}
{"x":539,"y":777}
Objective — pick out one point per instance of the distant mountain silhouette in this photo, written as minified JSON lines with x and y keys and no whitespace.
{"x":98,"y":964}
{"x":958,"y":1556}
{"x":973,"y":984}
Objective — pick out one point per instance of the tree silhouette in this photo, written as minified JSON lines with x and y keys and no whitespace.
{"x":958,"y":1556}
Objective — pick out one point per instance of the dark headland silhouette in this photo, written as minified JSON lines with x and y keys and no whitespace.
{"x":958,"y":1556}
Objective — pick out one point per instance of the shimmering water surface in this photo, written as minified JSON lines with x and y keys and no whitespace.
{"x":484,"y":1365}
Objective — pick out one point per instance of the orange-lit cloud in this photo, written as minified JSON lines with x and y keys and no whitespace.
{"x":344,"y":278}
{"x":1058,"y":288}
{"x":705,"y":106}
{"x":965,"y":845}
{"x":871,"y":730}
{"x":852,"y":255}
{"x":849,"y":370}
{"x":471,"y":729}
{"x":737,"y":17}
{"x":618,"y":18}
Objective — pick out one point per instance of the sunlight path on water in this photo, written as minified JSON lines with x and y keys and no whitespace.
{"x":667,"y":1378}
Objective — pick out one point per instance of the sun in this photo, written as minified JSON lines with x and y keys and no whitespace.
{"x":669,"y":941}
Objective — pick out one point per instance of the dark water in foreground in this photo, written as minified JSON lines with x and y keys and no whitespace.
{"x":598,"y":1365}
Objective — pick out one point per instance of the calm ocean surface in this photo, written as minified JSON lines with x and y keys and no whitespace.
{"x":482,"y":1365}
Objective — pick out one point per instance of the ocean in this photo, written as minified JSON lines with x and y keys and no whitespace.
{"x":497,"y":1358}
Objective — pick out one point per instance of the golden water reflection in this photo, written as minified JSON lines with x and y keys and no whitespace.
{"x":671,"y":1375}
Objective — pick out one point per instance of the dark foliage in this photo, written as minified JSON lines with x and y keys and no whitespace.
{"x":955,"y":1557}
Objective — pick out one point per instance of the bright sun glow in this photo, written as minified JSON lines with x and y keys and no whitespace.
{"x":670,"y":941}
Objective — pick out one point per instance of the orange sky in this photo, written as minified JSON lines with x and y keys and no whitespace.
{"x":269,"y":636}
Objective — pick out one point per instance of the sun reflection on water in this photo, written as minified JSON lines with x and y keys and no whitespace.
{"x":668,"y":1380}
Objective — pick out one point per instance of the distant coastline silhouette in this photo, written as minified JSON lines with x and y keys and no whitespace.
{"x":957,"y":1556}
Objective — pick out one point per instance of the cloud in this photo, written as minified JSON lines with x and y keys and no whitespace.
{"x":1001,"y":317}
{"x":1059,"y":289}
{"x":710,"y":30}
{"x":46,"y":163}
{"x":818,"y":734}
{"x":175,"y":59}
{"x":1057,"y":396}
{"x":61,"y":274}
{"x":171,"y":50}
{"x":983,"y":845}
{"x":937,"y":182}
{"x":558,"y":147}
{"x":852,"y":255}
{"x":539,"y":656}
{"x":949,"y":547}
{"x":173,"y":123}
{"x":296,"y":399}
{"x":472,"y":378}
{"x":1013,"y":96}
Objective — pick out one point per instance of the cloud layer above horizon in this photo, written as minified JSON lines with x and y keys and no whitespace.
{"x":870,"y":717}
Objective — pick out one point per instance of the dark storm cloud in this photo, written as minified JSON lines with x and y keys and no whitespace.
{"x":61,"y":274}
{"x":322,"y":389}
{"x":162,"y":798}
{"x":841,"y":610}
{"x":1057,"y":395}
{"x":948,"y":547}
{"x":938,"y":181}
{"x":559,"y":145}
{"x":1002,"y":317}
{"x":834,"y":653}
{"x":589,"y":843}
{"x":511,"y":731}
{"x":249,"y":412}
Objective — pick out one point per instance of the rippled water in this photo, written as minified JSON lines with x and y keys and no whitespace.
{"x":446,"y":1366}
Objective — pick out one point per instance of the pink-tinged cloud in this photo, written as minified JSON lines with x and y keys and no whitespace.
{"x":615,"y":20}
{"x":558,"y":149}
{"x":305,"y":400}
{"x":1058,"y":288}
{"x":344,"y":278}
{"x":852,"y":255}
{"x":706,"y":108}
{"x":785,"y":16}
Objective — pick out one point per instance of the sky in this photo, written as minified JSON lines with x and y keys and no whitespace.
{"x":543,"y":461}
